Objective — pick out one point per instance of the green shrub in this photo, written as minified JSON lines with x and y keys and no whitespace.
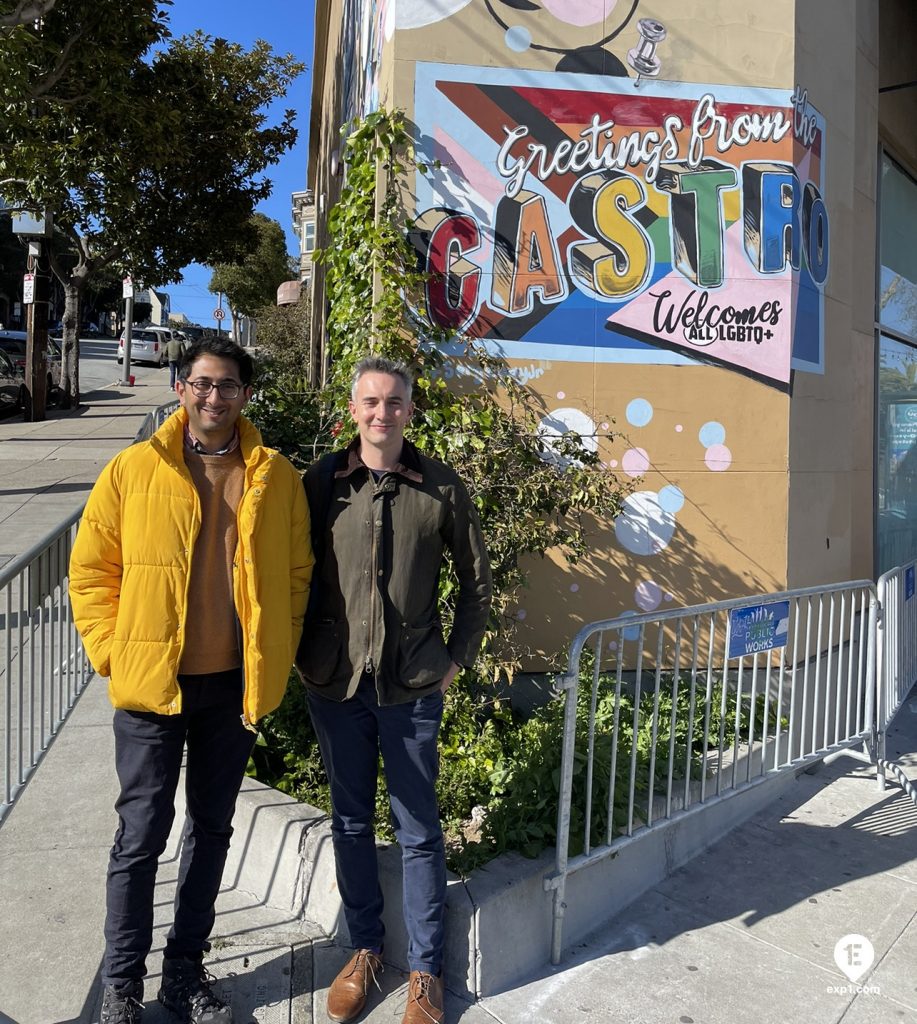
{"x":530,"y":499}
{"x":499,"y":781}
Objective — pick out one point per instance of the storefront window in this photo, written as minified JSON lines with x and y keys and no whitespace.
{"x":898,"y":280}
{"x":897,"y":440}
{"x":897,"y":452}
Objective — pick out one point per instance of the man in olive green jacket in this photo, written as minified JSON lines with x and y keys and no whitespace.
{"x":376,"y":665}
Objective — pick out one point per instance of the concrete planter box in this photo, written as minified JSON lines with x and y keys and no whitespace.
{"x":498,"y":920}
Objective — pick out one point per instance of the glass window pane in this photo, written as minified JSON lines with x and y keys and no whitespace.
{"x":898,"y":251}
{"x":897,"y":476}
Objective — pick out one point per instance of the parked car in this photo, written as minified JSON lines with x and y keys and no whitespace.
{"x":164,"y":332}
{"x":148,"y":345}
{"x":12,"y":387}
{"x":194,"y":333}
{"x":14,"y":344}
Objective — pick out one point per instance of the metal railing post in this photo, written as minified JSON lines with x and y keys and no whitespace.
{"x":831,"y":654}
{"x":58,"y":671}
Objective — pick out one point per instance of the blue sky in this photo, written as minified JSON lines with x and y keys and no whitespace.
{"x":287,"y":25}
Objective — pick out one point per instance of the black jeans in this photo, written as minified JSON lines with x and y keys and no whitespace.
{"x":148,"y":757}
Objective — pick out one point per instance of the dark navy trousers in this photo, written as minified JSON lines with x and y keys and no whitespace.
{"x":352,"y":734}
{"x":148,"y":758}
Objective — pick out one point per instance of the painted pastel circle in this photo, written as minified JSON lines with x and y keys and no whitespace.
{"x":562,"y":421}
{"x":612,"y":463}
{"x":605,"y":426}
{"x":520,"y":614}
{"x":718,"y":457}
{"x":678,"y":428}
{"x":639,"y":412}
{"x":671,"y":498}
{"x":417,"y":13}
{"x":581,"y":12}
{"x":648,"y":595}
{"x":389,"y":20}
{"x":669,"y":597}
{"x":635,"y":461}
{"x":518,"y":38}
{"x":644,"y":527}
{"x":574,"y":587}
{"x":629,"y":632}
{"x":712,"y":433}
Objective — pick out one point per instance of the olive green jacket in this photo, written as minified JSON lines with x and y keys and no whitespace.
{"x":380,"y":547}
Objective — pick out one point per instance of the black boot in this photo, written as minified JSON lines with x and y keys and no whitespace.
{"x":122,"y":1004}
{"x":186,"y":992}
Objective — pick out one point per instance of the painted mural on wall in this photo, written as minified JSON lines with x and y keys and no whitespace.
{"x":611,"y":218}
{"x":363,"y":36}
{"x":680,"y":223}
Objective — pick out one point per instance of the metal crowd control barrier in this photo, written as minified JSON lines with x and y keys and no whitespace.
{"x":669,"y":713}
{"x":43,"y":668}
{"x":896,"y":649}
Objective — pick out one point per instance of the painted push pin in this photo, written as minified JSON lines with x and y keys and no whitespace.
{"x":642,"y":58}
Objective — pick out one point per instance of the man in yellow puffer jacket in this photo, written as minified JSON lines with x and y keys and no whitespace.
{"x":189,"y":579}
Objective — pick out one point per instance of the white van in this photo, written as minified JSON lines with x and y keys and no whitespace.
{"x":148,"y":345}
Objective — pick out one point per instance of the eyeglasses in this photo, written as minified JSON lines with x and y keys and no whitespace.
{"x":227,"y":389}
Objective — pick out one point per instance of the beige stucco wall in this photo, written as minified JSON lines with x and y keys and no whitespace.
{"x":794,"y":505}
{"x":731,"y":533}
{"x":830,"y":521}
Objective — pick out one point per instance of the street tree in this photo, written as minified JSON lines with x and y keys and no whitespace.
{"x":161,"y":167}
{"x":63,"y":62}
{"x":102,"y":295}
{"x":22,"y":12}
{"x":251,"y":282}
{"x":12,"y":267}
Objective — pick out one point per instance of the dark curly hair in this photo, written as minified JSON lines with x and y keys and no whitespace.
{"x":222,"y":348}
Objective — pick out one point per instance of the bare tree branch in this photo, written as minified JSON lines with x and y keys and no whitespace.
{"x":60,"y":67}
{"x":55,"y":264}
{"x":25,"y":12}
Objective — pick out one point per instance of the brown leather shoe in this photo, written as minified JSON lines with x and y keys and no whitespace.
{"x":425,"y":999}
{"x":347,"y":995}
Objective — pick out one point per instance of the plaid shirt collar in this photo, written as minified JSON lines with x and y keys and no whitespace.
{"x":193,"y":445}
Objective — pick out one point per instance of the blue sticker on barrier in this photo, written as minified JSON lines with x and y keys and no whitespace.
{"x":908,"y":583}
{"x":759,"y":628}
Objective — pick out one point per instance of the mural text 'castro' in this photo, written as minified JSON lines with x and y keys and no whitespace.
{"x":576,"y":219}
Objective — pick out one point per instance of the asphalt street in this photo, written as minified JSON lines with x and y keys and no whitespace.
{"x":760,"y":929}
{"x":48,"y":468}
{"x":99,"y":367}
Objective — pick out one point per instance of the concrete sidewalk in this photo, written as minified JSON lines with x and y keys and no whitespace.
{"x":49,"y":468}
{"x":744,"y":934}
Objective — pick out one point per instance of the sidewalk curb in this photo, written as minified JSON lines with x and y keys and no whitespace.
{"x":498,"y":919}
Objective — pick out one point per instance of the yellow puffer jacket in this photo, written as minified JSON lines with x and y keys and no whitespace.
{"x":131,"y":562}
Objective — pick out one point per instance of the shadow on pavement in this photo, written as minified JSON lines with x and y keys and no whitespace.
{"x":777,"y":863}
{"x":52,"y":489}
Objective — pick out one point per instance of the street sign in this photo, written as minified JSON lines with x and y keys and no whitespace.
{"x":28,"y":289}
{"x":32,"y":223}
{"x":759,"y":628}
{"x":127,"y":288}
{"x":218,"y":314}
